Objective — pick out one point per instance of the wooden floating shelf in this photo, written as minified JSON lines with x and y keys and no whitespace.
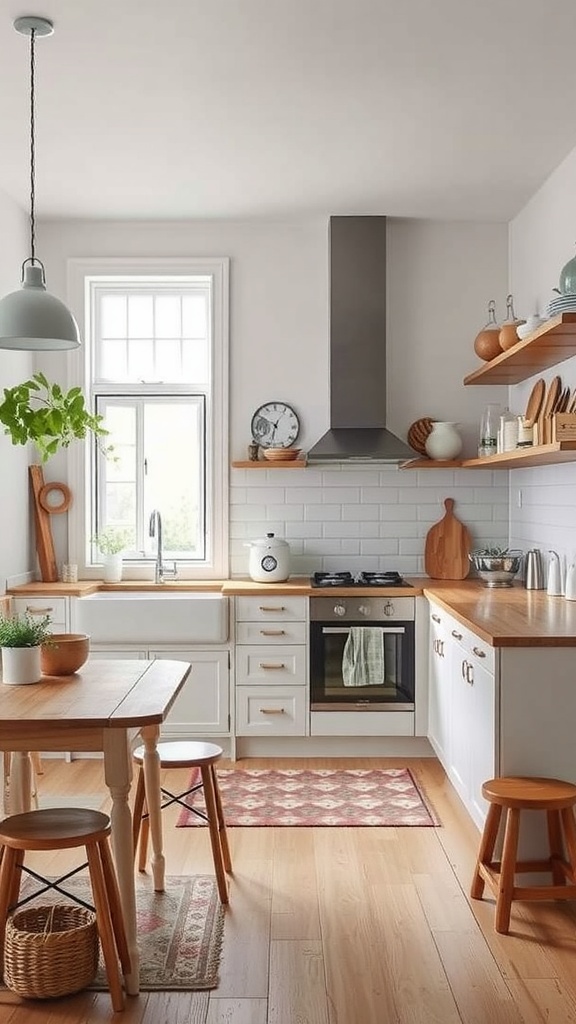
{"x":537,"y":455}
{"x":548,"y":345}
{"x":270,"y":464}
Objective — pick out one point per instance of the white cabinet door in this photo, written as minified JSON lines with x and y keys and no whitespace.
{"x":439,"y":687}
{"x":483,"y":737}
{"x":460,"y":760}
{"x":202,"y":708}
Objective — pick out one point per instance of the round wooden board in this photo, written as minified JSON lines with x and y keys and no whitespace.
{"x":418,"y":432}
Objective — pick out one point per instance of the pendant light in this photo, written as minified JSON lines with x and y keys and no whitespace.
{"x":31,"y":318}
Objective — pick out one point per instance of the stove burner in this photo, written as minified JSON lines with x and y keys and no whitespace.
{"x":361,"y":579}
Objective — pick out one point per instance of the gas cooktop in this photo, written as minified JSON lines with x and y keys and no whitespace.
{"x":324,"y":580}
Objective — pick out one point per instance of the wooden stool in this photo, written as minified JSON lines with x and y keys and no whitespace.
{"x":187,"y":755}
{"x":514,"y":795}
{"x":65,"y":828}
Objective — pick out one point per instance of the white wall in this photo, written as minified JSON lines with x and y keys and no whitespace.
{"x":16,"y":542}
{"x":542,"y":240}
{"x":441,"y":277}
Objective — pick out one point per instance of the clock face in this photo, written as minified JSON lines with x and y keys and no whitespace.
{"x":275,"y":425}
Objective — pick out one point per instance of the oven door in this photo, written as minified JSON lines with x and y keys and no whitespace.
{"x":355,"y":666}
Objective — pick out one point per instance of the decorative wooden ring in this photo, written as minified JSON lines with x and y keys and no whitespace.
{"x":47,"y":490}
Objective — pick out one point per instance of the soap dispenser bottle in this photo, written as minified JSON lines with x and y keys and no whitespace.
{"x":571,"y":582}
{"x":554,"y":587}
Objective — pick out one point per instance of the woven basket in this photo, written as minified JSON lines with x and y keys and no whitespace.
{"x":50,"y":951}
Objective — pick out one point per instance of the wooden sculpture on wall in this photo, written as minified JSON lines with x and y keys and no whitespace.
{"x":43,"y":509}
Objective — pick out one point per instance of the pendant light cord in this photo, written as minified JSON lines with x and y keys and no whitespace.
{"x":32,"y":148}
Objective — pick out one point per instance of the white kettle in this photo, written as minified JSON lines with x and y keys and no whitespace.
{"x":269,"y":559}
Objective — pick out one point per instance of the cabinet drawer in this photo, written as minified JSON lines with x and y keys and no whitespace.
{"x":271,"y":633}
{"x":277,"y":712}
{"x":474,"y":647}
{"x":276,"y":665}
{"x":55,"y":607}
{"x":274,"y":608}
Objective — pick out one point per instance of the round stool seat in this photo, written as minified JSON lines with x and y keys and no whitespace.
{"x":54,"y":828}
{"x":530,"y":793}
{"x":183,"y":754}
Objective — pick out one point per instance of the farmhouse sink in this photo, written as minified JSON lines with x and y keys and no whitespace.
{"x":149,"y":617}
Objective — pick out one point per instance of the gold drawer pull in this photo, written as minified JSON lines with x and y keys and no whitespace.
{"x":478,"y":652}
{"x":271,"y":608}
{"x":272,"y":632}
{"x":35,"y":610}
{"x":269,"y":664}
{"x":271,"y":711}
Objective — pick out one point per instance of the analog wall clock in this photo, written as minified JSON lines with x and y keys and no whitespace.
{"x":275,"y":425}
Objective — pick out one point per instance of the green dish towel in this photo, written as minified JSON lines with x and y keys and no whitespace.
{"x":363,"y":657}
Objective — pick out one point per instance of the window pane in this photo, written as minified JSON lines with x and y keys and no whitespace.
{"x":141,"y":360}
{"x":140,"y":316}
{"x":174,"y":453}
{"x":113,"y":312}
{"x":168,"y":323}
{"x":113,"y":360}
{"x":195,"y":363}
{"x":194,"y":316}
{"x":169,"y":359}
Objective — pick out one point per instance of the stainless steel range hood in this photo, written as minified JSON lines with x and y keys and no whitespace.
{"x":358,"y":347}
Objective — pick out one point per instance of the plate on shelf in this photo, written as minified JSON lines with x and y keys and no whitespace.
{"x":281,"y":454}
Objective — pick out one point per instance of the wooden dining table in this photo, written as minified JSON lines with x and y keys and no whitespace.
{"x":102,"y":708}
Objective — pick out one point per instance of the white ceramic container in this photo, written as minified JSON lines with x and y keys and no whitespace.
{"x":443,"y":441}
{"x":21,"y":665}
{"x":269,"y":560}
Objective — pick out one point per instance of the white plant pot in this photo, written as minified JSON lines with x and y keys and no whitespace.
{"x":112,"y":568}
{"x":21,"y":665}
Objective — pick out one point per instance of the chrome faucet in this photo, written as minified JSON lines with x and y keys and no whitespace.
{"x":155,"y":530}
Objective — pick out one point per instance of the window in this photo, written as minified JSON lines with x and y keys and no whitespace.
{"x":154,"y":365}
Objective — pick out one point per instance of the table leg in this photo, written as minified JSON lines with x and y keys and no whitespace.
{"x":118,"y":776}
{"x":151,"y":765}
{"x":20,"y":785}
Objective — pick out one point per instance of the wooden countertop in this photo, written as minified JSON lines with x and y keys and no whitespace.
{"x":508,"y":616}
{"x":503,"y":617}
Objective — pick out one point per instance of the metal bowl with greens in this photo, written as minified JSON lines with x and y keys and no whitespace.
{"x":497,"y":566}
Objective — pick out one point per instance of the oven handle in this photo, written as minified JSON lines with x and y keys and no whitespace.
{"x":346,"y":629}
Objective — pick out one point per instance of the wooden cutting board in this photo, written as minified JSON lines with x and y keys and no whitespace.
{"x":447,"y":547}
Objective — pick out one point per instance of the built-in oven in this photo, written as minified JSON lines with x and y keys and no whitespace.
{"x":362,"y":653}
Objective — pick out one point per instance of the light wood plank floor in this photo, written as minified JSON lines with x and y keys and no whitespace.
{"x":346,"y":926}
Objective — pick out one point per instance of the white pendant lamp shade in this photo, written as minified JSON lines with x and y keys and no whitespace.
{"x":32,"y":318}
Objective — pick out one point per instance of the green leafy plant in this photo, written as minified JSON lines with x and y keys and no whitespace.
{"x":111,"y":541}
{"x":49,"y":417}
{"x":24,"y":631}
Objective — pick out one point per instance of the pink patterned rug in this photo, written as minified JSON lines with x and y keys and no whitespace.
{"x":322,"y":796}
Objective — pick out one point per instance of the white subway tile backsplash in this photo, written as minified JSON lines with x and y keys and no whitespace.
{"x":338,"y":518}
{"x":342,"y":495}
{"x":360,"y":512}
{"x":322,"y":512}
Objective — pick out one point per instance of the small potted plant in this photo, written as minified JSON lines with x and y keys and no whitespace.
{"x":21,"y":639}
{"x":111,"y":542}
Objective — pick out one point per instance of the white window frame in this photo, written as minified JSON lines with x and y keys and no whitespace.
{"x":80,"y":271}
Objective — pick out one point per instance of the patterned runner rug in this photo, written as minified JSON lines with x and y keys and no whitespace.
{"x":313,"y":797}
{"x":180,"y":930}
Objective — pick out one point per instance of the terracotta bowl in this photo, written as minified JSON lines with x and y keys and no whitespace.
{"x":65,"y":654}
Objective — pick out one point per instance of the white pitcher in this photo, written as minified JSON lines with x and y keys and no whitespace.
{"x":571,"y":582}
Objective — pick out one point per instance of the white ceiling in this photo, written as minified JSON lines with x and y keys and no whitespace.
{"x":261,"y":108}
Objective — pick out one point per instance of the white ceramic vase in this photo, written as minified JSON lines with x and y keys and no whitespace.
{"x":443,"y":441}
{"x":21,"y":665}
{"x":112,"y":568}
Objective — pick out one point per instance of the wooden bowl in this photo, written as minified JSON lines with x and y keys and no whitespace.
{"x":281,"y":454}
{"x":64,"y":654}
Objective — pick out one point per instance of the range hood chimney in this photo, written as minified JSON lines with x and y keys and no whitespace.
{"x":358,"y":347}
